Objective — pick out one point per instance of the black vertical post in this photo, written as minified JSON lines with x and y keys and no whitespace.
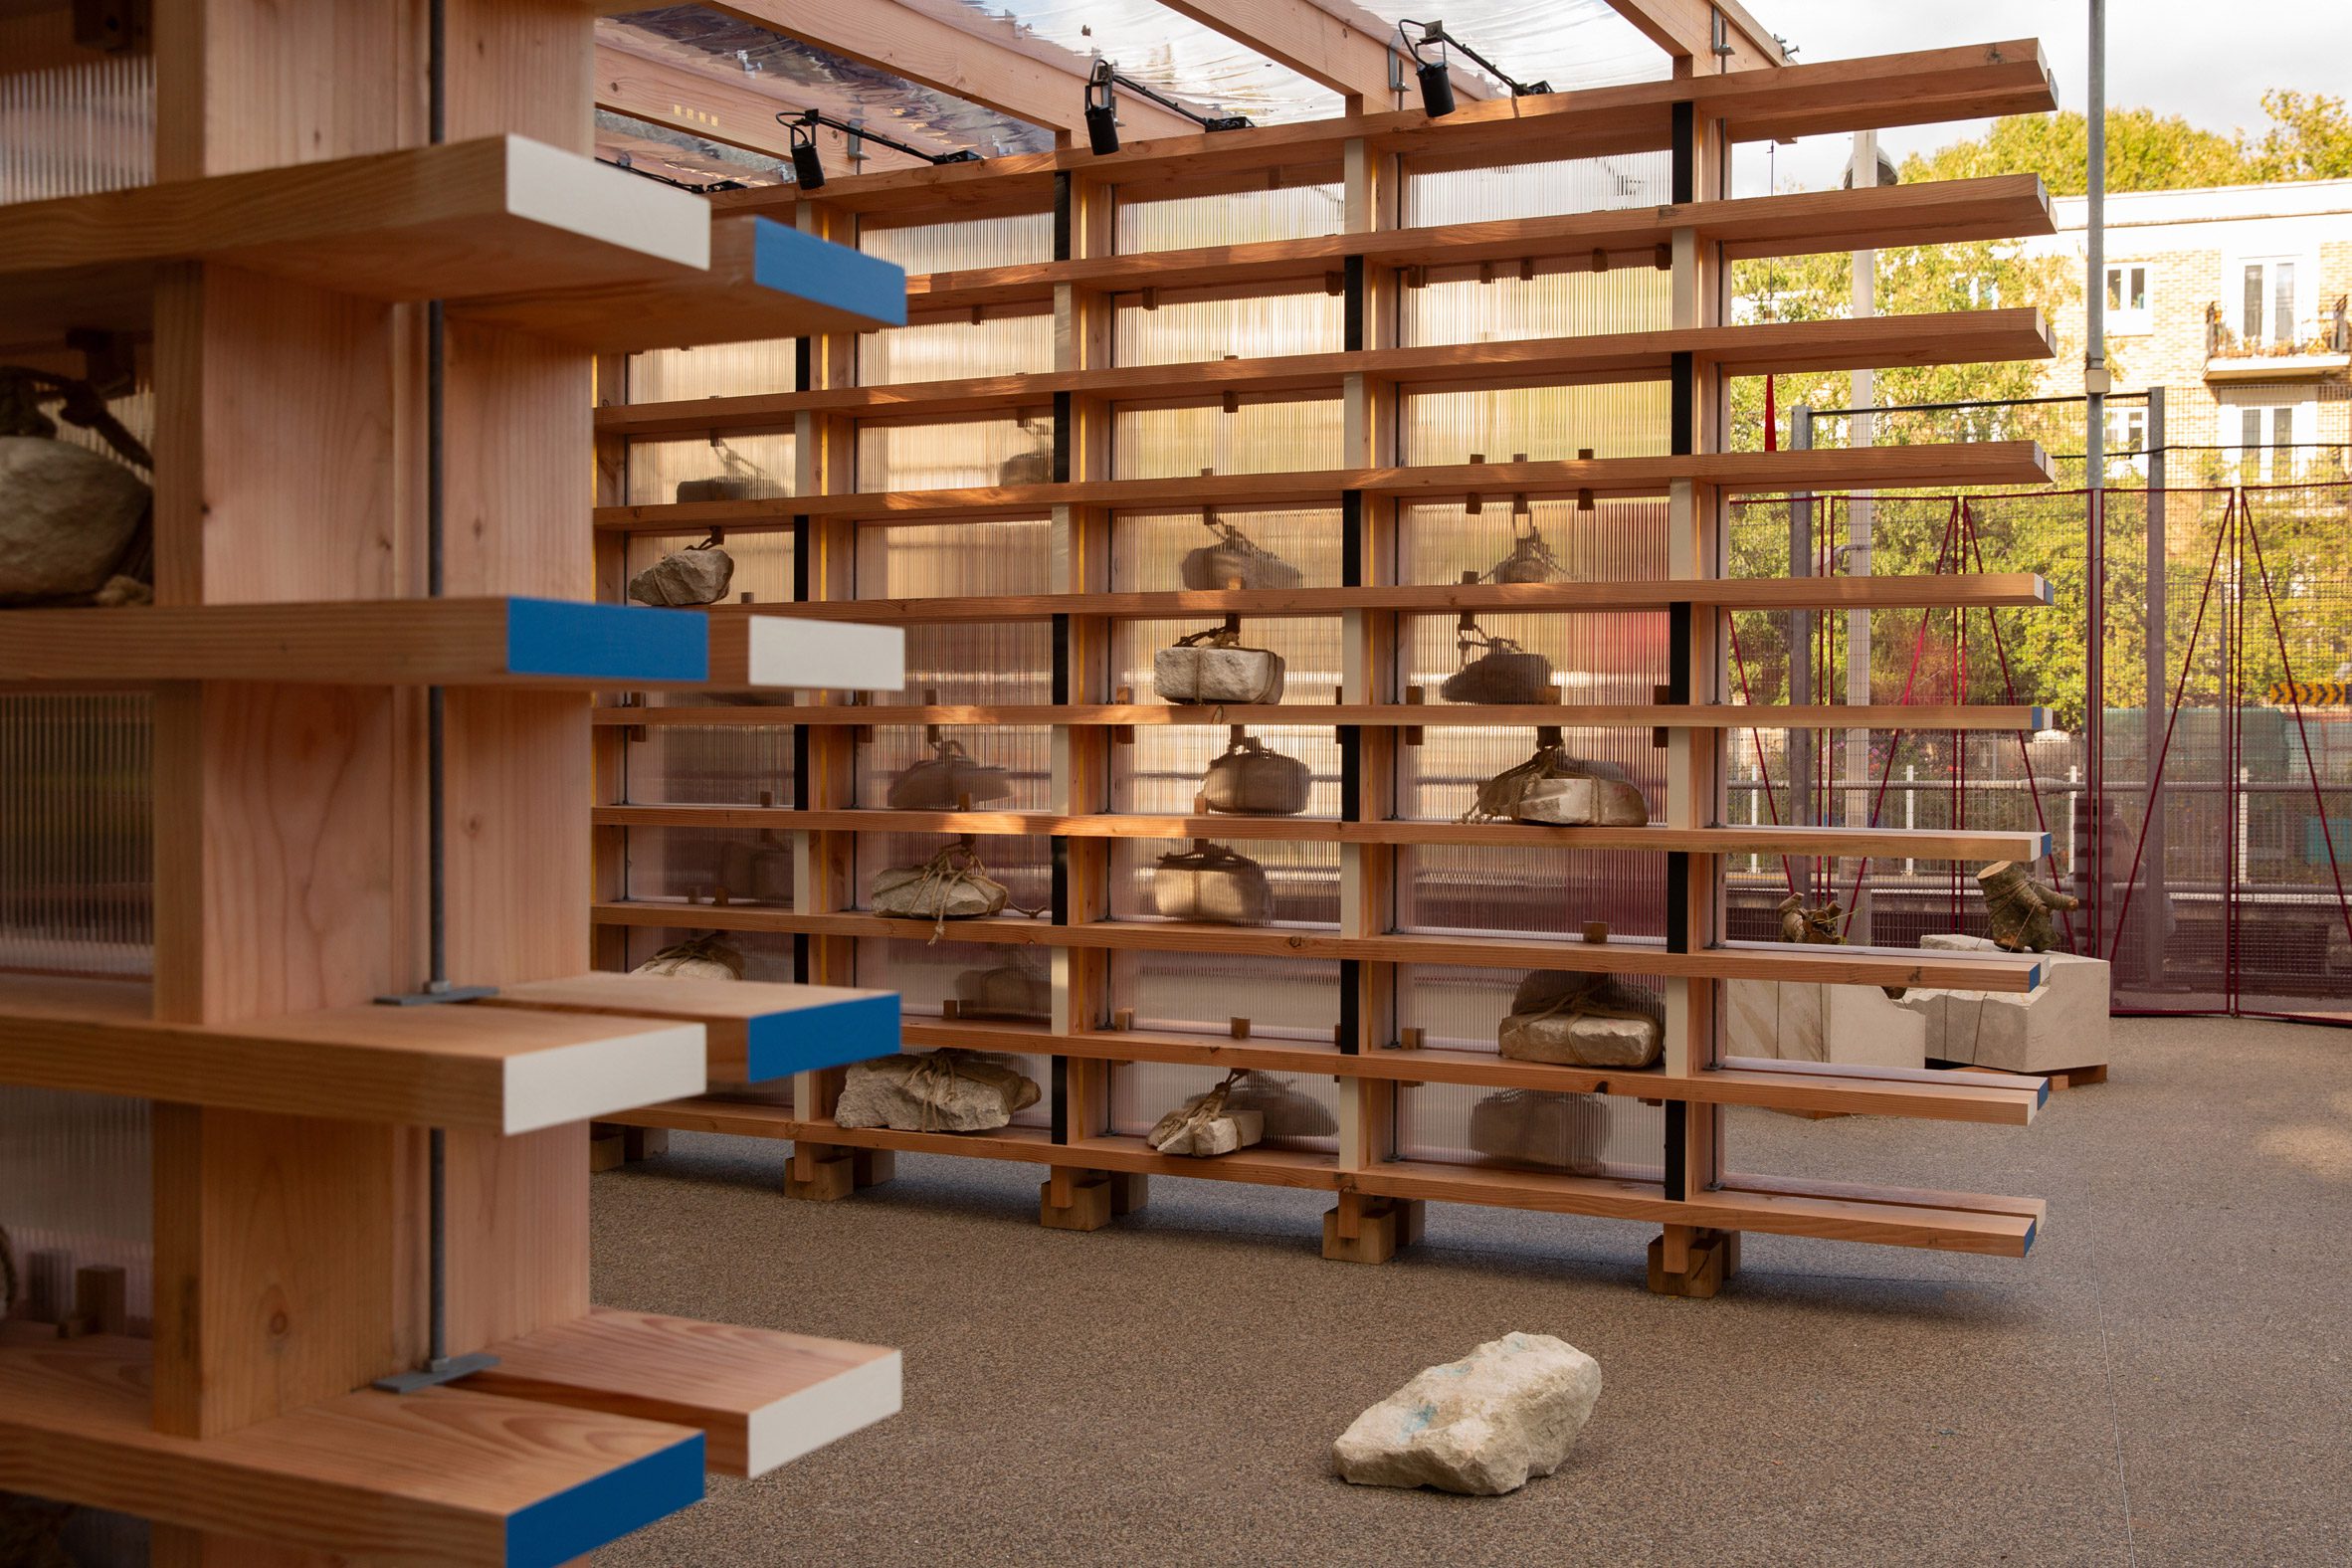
{"x":1351,"y":538}
{"x":1353,"y":316}
{"x":1685,"y":151}
{"x":1062,"y":435}
{"x":1678,"y":1169}
{"x":1351,"y":772}
{"x":1061,"y":659}
{"x":1063,"y":218}
{"x":800,"y":559}
{"x":1351,"y":1015}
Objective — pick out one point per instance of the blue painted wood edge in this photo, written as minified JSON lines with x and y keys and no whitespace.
{"x":606,"y":642}
{"x":600,"y":1510}
{"x":821,"y":273}
{"x":2041,"y":1099}
{"x":2033,"y":1233}
{"x":778,"y":1045}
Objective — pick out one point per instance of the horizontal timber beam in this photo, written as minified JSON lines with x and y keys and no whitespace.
{"x":1686,"y":29}
{"x":1310,"y":715}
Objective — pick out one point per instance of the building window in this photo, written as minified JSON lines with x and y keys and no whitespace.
{"x":2127,"y":436}
{"x":2128,"y":298}
{"x":2267,"y":438}
{"x":2266,"y":307}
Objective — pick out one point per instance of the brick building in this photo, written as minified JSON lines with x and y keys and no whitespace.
{"x":2233,"y":300}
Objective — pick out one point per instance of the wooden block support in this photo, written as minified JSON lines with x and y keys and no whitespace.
{"x":1380,"y":1227}
{"x":820,"y":1173}
{"x":1692,"y":1260}
{"x":1088,"y":1200}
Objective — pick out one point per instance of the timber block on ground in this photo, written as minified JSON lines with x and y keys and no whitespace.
{"x":1382,"y":1227}
{"x":872,"y":1167}
{"x":1714,"y":1259}
{"x":1129,"y":1191}
{"x":820,"y":1173}
{"x":644,"y":1144}
{"x":1093,"y":1202}
{"x":607,"y":1150}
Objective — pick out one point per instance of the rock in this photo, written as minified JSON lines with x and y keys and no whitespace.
{"x":65,"y":516}
{"x":1211,"y":672}
{"x":1806,"y":1021}
{"x":2062,"y":1023}
{"x":121,"y":590}
{"x":1530,"y":1126}
{"x":936,"y":1091}
{"x":685,"y":577}
{"x":1582,"y":802}
{"x":702,"y":958}
{"x":1509,"y":1410}
{"x":1184,"y":1131}
{"x":1583,"y":1019}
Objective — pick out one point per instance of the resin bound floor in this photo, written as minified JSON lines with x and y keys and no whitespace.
{"x":2166,"y":1380}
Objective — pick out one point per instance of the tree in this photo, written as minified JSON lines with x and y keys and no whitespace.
{"x":2309,"y":138}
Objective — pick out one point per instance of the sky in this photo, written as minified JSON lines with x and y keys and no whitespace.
{"x":2172,"y":55}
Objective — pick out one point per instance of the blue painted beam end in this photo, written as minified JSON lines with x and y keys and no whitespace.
{"x":804,"y":1039}
{"x":561,"y":639}
{"x":829,"y":275}
{"x":574,"y":1522}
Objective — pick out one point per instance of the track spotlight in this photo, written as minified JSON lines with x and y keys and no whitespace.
{"x":1437,"y":86}
{"x":1103,"y":107}
{"x":808,"y":170}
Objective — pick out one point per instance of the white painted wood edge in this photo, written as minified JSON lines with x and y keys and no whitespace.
{"x":826,"y":654}
{"x":578,"y":195}
{"x":627,"y":1070}
{"x":802,"y":1422}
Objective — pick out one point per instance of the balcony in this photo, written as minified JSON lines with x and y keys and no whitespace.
{"x":2315,"y":348}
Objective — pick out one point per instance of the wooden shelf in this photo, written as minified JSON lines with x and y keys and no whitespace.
{"x":1915,"y":843}
{"x":1995,"y":1100}
{"x":1310,"y":715}
{"x":1943,"y":1221}
{"x":767,"y":279}
{"x":1880,"y":966}
{"x":1943,"y":590}
{"x":460,"y":221}
{"x":467,"y":1067}
{"x":1983,"y":462}
{"x":442,"y":1476}
{"x":1874,"y":342}
{"x":756,"y":1030}
{"x":1806,"y":223}
{"x":760,"y":1398}
{"x":1924,"y":86}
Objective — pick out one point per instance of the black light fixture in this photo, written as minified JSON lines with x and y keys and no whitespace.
{"x":1437,"y":87}
{"x":1103,"y":107}
{"x":808,"y":170}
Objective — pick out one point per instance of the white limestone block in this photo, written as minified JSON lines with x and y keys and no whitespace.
{"x":2060,"y":1023}
{"x":1810,"y":1021}
{"x":1510,"y":1409}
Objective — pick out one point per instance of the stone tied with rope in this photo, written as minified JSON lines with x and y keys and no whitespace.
{"x":704,"y":957}
{"x":75,"y":528}
{"x":1819,"y":926}
{"x":1530,"y":562}
{"x":1556,"y":789}
{"x":1206,"y":1125}
{"x":2018,"y":907}
{"x":949,"y":779}
{"x":936,"y":1091}
{"x":1504,"y":672}
{"x":1213,"y":666}
{"x":952,"y":885}
{"x":1235,"y":561}
{"x":1582,"y":1019}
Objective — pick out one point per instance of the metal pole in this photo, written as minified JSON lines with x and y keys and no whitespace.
{"x":1858,"y":520}
{"x":1800,"y":741}
{"x":2155,"y":910}
{"x":2094,"y":464}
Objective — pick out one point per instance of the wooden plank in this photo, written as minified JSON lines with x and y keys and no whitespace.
{"x":1924,"y":86}
{"x":757,"y":1030}
{"x":979,"y":60}
{"x":759,"y":651}
{"x":493,"y":215}
{"x":442,"y":1477}
{"x":389,"y":642}
{"x":1685,"y":30}
{"x":1880,"y":966}
{"x":1938,"y":591}
{"x":500,"y":1071}
{"x":1714,"y":715}
{"x":765,"y":281}
{"x":2004,"y":462}
{"x":760,"y":1398}
{"x":1333,"y":42}
{"x":1875,"y":342}
{"x":1800,"y":1210}
{"x":1915,"y":843}
{"x":1996,"y":207}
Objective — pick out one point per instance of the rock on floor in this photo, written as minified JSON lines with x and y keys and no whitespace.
{"x":1509,"y":1410}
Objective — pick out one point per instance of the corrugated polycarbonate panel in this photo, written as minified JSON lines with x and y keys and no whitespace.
{"x":1303,"y":878}
{"x":1007,"y":664}
{"x":1539,"y":424}
{"x":1438,"y":779}
{"x":1610,"y":657}
{"x":665,"y":375}
{"x":1508,"y":307}
{"x":970,"y":451}
{"x":954,"y":560}
{"x":76,"y":864}
{"x":1149,"y":549}
{"x":1533,"y":190}
{"x":1256,"y":438}
{"x":1187,"y":331}
{"x":75,"y":1192}
{"x":1024,"y":753}
{"x":1618,"y":541}
{"x":968,"y":242}
{"x":1296,"y":212}
{"x":697,"y":864}
{"x":75,"y":128}
{"x":711,"y":764}
{"x":997,"y":346}
{"x":1529,"y":891}
{"x":754,"y":464}
{"x":1202,"y":993}
{"x":1307,"y":644}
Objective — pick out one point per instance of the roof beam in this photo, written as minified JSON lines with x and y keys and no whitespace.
{"x":1333,"y":42}
{"x":650,"y":79}
{"x":1686,"y":29}
{"x":969,"y":56}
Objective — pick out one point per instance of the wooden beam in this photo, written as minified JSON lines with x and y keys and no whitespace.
{"x":1333,"y":42}
{"x":969,"y":56}
{"x":1703,"y":715}
{"x":1684,"y":28}
{"x":757,"y":1030}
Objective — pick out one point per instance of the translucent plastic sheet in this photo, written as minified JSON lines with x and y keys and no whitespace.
{"x":1201,"y":993}
{"x":1147,"y":549}
{"x":1295,"y":1104}
{"x":1256,"y":438}
{"x":1302,"y":877}
{"x":658,"y":468}
{"x":697,"y":864}
{"x":1024,"y":751}
{"x":1161,"y":772}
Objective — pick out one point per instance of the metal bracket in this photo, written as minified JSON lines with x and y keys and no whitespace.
{"x":447,"y":1369}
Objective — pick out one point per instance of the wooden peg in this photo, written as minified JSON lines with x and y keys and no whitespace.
{"x":1123,"y":1020}
{"x":1335,"y":284}
{"x":1232,"y":402}
{"x":1477,"y":457}
{"x":1600,"y":260}
{"x":720,"y":895}
{"x":1485,"y":272}
{"x":1470,"y":505}
{"x":1584,"y":501}
{"x":862,"y":735}
{"x":1240,"y":1027}
{"x":1409,"y":1039}
{"x":1526,"y":269}
{"x":930,"y":732}
{"x":745,"y":598}
{"x":1151,"y":298}
{"x":1584,"y":454}
{"x":1519,"y":504}
{"x":1414,"y":696}
{"x":1547,"y":734}
{"x":1235,"y":735}
{"x":950,"y":1009}
{"x":1596,"y":931}
{"x":1663,"y":259}
{"x":977,"y":317}
{"x":718,"y":533}
{"x":1518,"y":457}
{"x":1123,"y":734}
{"x":1658,"y":736}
